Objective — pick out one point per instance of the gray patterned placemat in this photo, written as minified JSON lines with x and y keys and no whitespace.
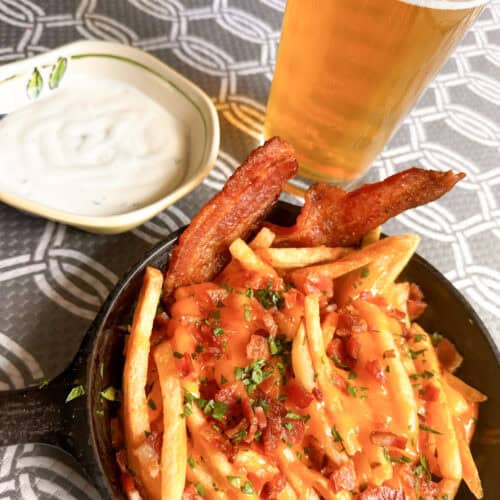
{"x":53,"y":278}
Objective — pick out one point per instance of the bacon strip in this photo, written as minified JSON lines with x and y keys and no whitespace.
{"x":235,"y":212}
{"x":333,"y":217}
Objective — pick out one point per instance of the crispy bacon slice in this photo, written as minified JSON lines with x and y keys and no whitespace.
{"x":333,"y":217}
{"x":235,"y":212}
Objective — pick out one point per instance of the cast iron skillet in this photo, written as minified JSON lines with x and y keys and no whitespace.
{"x":79,"y":427}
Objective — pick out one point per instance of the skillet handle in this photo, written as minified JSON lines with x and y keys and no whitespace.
{"x":41,"y":415}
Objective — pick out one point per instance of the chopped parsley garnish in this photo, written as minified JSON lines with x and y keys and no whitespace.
{"x":351,"y":376}
{"x":252,"y":375}
{"x":226,"y":287}
{"x":249,"y":293}
{"x":111,"y":394}
{"x":199,"y":348}
{"x":151,"y":404}
{"x":297,"y":416}
{"x":247,"y":312}
{"x":215,"y":409}
{"x":43,"y":383}
{"x":239,"y":437}
{"x":288,"y":426}
{"x":422,"y":469}
{"x":426,"y":374}
{"x":234,"y":481}
{"x":214,"y":315}
{"x":200,"y":489}
{"x":147,"y":434}
{"x":418,"y":337}
{"x":223,"y":379}
{"x":247,"y":488}
{"x":365,"y":272}
{"x":220,"y":304}
{"x":352,"y":390}
{"x":429,"y":429}
{"x":218,"y":331}
{"x":338,"y":363}
{"x":436,"y":338}
{"x":336,"y":435}
{"x":269,"y":298}
{"x":191,"y":462}
{"x":403,"y":459}
{"x":279,"y":345}
{"x":416,"y":354}
{"x":263,"y":404}
{"x":178,"y":355}
{"x":76,"y":392}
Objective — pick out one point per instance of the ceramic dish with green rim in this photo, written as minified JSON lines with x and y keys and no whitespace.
{"x":101,"y":136}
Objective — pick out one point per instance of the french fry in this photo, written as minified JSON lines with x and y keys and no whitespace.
{"x":199,"y":475}
{"x":263,"y":239}
{"x":173,"y":451}
{"x":288,"y":258}
{"x":469,"y":469}
{"x":332,"y":395}
{"x":469,"y":393}
{"x":442,"y":443}
{"x":249,"y":259}
{"x":301,"y":478}
{"x":380,"y":340}
{"x":219,"y":466}
{"x":389,"y":256}
{"x":301,"y":360}
{"x":386,"y":259}
{"x":135,"y":407}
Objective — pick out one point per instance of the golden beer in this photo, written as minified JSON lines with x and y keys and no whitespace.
{"x":349,"y":70}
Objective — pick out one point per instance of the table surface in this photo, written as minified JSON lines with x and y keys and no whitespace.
{"x":53,"y":278}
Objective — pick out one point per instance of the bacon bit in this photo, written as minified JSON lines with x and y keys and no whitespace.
{"x":269,"y":323}
{"x":415,"y":292}
{"x":333,"y":217}
{"x":389,"y":439}
{"x":273,"y":488}
{"x":318,"y":395}
{"x":155,"y":439}
{"x":297,"y":394}
{"x":121,"y":460}
{"x":429,"y":393}
{"x":209,"y":389}
{"x":272,"y":433}
{"x":293,"y":430}
{"x":352,"y":347}
{"x":185,"y":365}
{"x":428,"y":489}
{"x":260,"y":415}
{"x":234,"y":431}
{"x":396,"y":313}
{"x":271,"y":386}
{"x":247,"y":197}
{"x":382,"y":493}
{"x":129,"y":488}
{"x":337,"y":352}
{"x":415,"y":308}
{"x":345,"y":323}
{"x":375,"y":369}
{"x":258,"y":348}
{"x":390,"y":353}
{"x":344,"y":478}
{"x":448,"y":355}
{"x":405,"y":332}
{"x":190,"y":493}
{"x":292,"y":298}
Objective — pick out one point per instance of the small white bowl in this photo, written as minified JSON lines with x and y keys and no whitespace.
{"x":169,"y":89}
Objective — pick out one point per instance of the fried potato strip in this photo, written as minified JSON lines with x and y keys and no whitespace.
{"x":135,"y":407}
{"x":173,"y":450}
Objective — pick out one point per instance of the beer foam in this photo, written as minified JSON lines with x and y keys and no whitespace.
{"x":447,"y":4}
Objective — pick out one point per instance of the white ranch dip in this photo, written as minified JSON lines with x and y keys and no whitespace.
{"x":96,"y":147}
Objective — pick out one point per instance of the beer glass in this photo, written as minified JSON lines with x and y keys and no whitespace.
{"x":348,"y":71}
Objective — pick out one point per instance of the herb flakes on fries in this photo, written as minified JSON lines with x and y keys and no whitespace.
{"x":293,"y":372}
